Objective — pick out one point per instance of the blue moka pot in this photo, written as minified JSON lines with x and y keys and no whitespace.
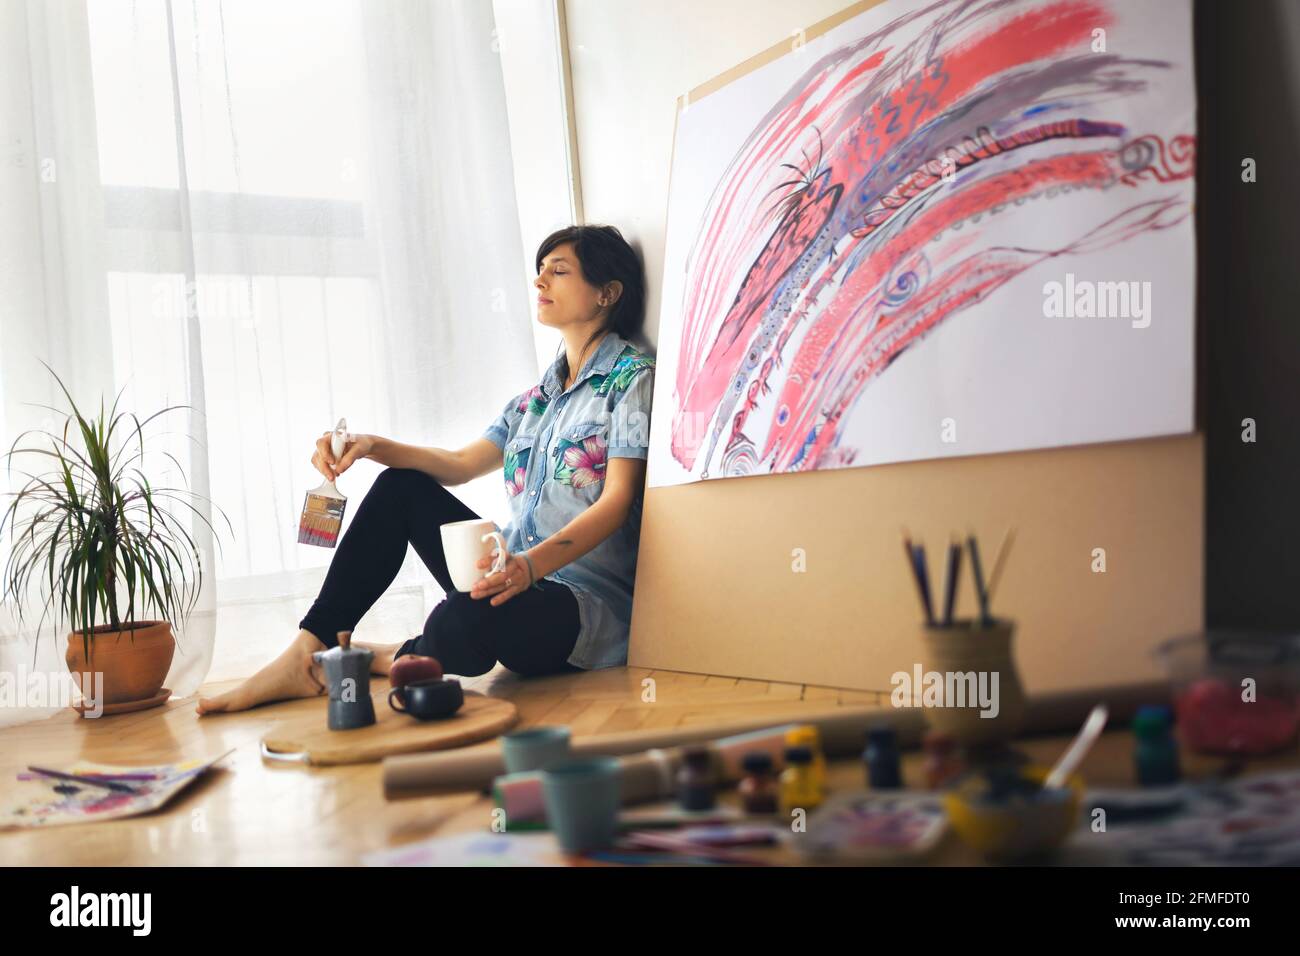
{"x":347,"y":673}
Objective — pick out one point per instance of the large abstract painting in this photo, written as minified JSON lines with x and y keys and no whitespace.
{"x":932,"y":229}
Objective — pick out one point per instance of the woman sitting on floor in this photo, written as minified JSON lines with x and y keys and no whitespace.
{"x":573,"y":450}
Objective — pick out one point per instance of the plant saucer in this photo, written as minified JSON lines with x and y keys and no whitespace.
{"x":126,"y":706}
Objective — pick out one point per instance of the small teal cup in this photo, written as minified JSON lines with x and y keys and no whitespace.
{"x":582,"y":800}
{"x":535,"y":749}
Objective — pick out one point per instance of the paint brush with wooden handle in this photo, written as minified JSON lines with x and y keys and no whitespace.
{"x":322,"y":512}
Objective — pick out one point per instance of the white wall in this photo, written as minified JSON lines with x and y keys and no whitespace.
{"x":631,"y":59}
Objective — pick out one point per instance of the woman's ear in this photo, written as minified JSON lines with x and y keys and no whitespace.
{"x":612,"y":290}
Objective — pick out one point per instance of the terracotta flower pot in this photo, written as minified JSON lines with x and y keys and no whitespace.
{"x":134,"y":662}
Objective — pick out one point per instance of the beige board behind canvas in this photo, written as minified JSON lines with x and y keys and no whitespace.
{"x":716,"y":592}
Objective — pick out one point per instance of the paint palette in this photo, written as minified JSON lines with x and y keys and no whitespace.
{"x":867,"y":825}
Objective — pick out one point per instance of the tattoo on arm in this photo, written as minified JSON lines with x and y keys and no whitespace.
{"x":565,"y":542}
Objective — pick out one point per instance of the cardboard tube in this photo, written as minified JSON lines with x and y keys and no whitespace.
{"x":842,"y":731}
{"x":415,"y":775}
{"x":650,"y":775}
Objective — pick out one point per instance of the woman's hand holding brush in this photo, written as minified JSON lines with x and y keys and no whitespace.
{"x":322,"y":509}
{"x":358,"y":446}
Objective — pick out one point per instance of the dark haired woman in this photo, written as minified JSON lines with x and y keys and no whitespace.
{"x":572,"y":449}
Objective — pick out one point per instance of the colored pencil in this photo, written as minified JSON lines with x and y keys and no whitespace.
{"x":923,"y":577}
{"x":977,"y":570}
{"x":1000,"y":561}
{"x":90,"y":781}
{"x":950,"y":580}
{"x":909,"y":549}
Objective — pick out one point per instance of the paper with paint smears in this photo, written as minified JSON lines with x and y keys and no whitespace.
{"x":50,"y":801}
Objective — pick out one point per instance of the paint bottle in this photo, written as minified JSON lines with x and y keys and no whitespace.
{"x":807,"y":735}
{"x":882,"y":759}
{"x":758,"y":786}
{"x":942,"y":764}
{"x":695,"y":780}
{"x":1157,"y":751}
{"x":798,"y":788}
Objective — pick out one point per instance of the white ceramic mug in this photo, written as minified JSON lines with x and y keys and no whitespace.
{"x":464,"y":543}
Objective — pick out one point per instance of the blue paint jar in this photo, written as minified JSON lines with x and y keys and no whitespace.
{"x":882,"y":759}
{"x":1156,"y":754}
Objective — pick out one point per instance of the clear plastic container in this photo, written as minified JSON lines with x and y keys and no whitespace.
{"x":1216,"y":674}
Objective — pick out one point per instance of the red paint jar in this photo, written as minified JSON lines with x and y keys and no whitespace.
{"x":1235,"y":693}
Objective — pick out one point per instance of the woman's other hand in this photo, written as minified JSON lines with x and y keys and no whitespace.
{"x":502,"y":585}
{"x":359,"y":447}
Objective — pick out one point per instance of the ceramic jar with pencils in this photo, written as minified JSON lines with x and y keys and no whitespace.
{"x":967,"y":684}
{"x":982,"y":701}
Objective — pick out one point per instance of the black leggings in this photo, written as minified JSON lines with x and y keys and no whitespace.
{"x":533,"y":633}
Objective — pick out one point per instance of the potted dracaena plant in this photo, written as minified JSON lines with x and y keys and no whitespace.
{"x":104,"y":547}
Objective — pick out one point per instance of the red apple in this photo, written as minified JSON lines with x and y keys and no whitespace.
{"x":410,"y":668}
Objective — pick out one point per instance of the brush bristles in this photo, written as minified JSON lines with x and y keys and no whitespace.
{"x":322,"y":519}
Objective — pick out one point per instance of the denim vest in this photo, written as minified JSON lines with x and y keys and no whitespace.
{"x":556,"y":444}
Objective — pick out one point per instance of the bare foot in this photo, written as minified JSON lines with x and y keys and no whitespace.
{"x":383,"y":659}
{"x":292,"y":674}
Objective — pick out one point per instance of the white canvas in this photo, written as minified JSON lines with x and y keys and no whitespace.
{"x":987,"y":111}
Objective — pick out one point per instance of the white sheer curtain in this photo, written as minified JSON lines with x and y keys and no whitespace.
{"x":279,"y":214}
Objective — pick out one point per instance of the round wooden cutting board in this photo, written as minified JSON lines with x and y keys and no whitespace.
{"x":307,"y":739}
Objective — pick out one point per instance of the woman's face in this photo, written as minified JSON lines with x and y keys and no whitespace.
{"x":564,"y":297}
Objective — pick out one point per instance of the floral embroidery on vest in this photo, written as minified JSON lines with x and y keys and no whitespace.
{"x":534,"y":400}
{"x":516,"y":468}
{"x":620,"y":376}
{"x":581,"y":464}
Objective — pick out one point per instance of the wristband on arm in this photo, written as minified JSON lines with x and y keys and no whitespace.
{"x":532,"y":574}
